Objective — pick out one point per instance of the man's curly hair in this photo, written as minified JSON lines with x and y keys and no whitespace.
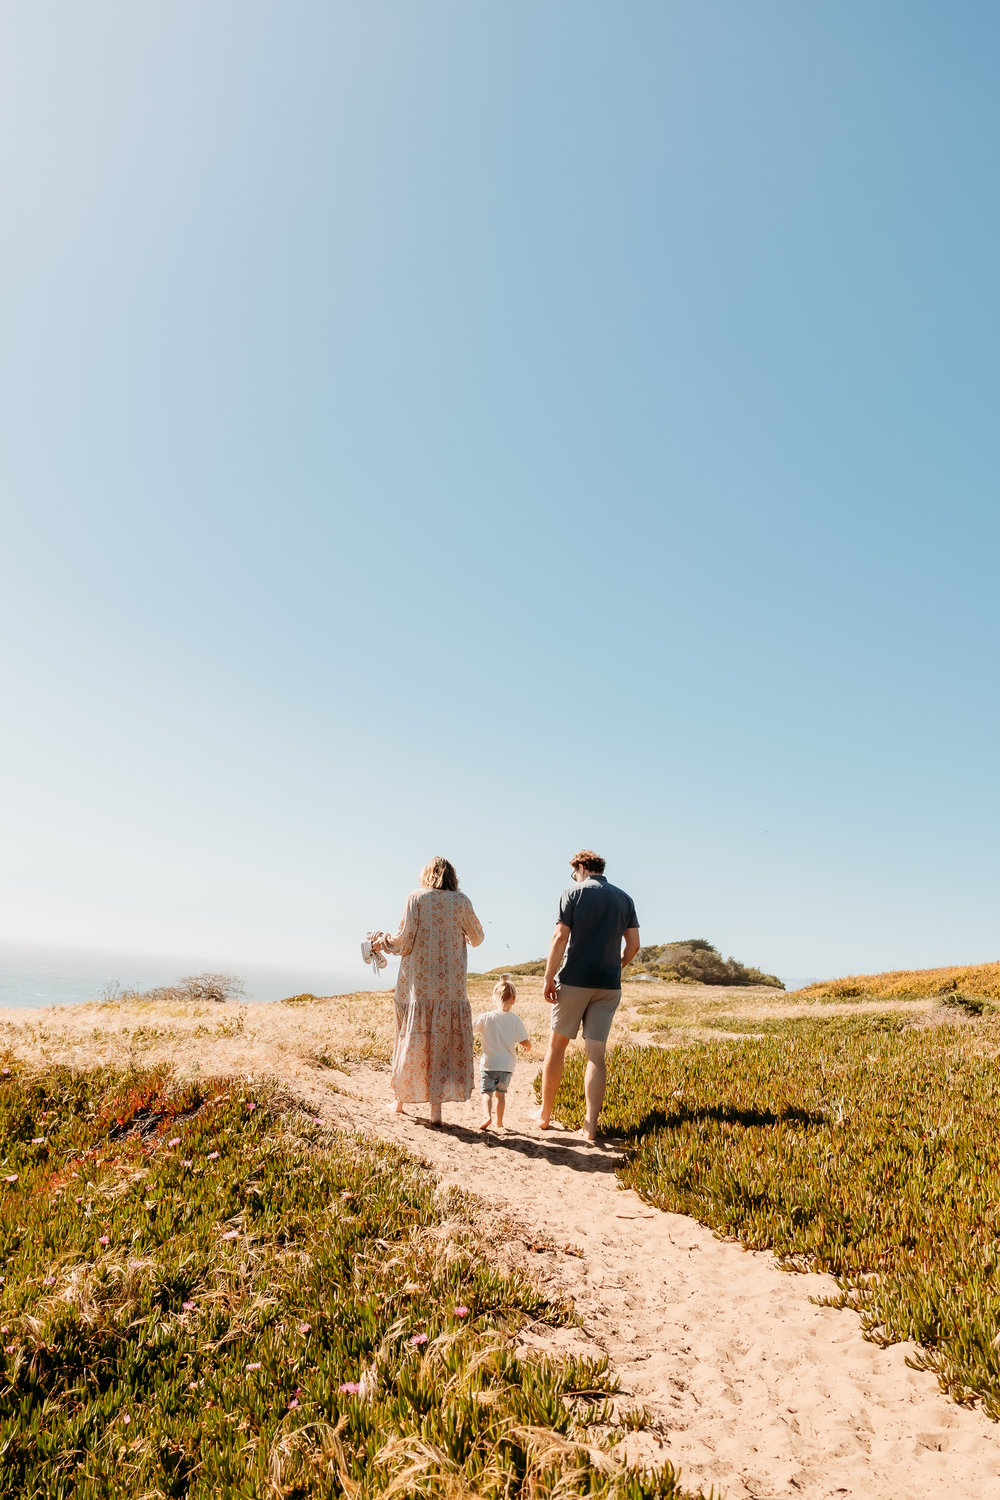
{"x":589,"y":860}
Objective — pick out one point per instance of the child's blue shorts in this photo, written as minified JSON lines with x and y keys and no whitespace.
{"x":494,"y":1080}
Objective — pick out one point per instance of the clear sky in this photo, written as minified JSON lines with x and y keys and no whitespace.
{"x":494,"y":428}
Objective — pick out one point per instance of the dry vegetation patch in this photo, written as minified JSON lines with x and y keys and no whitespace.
{"x":980,"y":981}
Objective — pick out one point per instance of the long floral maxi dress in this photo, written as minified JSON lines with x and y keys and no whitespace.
{"x":432,"y":1056}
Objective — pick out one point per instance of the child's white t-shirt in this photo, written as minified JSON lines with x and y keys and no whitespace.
{"x":500,"y":1031}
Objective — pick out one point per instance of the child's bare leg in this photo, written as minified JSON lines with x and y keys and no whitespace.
{"x":488,"y":1111}
{"x":501,"y":1104}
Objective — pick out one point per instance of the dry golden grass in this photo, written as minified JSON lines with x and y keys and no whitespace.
{"x":981,"y":980}
{"x":293,"y":1040}
{"x":300,"y":1041}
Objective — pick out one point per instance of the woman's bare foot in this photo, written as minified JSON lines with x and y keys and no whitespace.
{"x":542,"y":1124}
{"x":396,"y":1106}
{"x":435,"y":1112}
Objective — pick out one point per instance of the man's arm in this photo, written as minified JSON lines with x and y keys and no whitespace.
{"x":558,"y":947}
{"x":631,"y":945}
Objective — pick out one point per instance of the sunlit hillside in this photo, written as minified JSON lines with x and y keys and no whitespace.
{"x":979,"y":980}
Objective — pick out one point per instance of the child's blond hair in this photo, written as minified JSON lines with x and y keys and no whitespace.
{"x":504,"y":992}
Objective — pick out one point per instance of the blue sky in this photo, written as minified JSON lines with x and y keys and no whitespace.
{"x":491,"y":429}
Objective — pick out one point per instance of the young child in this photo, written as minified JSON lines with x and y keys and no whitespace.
{"x":501,"y":1033}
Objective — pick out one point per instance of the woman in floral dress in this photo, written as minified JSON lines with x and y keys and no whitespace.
{"x":432,"y":1056}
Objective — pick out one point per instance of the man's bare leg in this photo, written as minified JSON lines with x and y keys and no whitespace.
{"x":552,"y":1072}
{"x":594,"y":1084}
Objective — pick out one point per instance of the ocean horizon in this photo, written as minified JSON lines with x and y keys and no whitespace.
{"x":33,"y":976}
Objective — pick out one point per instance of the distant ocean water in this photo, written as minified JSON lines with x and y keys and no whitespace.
{"x":35,"y":976}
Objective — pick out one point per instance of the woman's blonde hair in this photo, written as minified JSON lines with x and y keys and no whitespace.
{"x":439,"y":874}
{"x":503,"y":990}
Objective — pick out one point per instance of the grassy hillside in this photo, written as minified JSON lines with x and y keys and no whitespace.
{"x":692,"y":961}
{"x":973,"y":980}
{"x":206,"y":1295}
{"x":866,"y":1145}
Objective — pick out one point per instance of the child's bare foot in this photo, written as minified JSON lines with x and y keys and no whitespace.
{"x":485,"y":1124}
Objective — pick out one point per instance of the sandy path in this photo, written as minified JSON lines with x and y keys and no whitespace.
{"x":751,"y":1387}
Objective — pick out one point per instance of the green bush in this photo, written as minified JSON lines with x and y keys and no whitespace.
{"x":696,"y":961}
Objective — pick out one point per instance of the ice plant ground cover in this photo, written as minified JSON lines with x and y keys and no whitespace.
{"x":867,"y":1146}
{"x":206,"y":1294}
{"x":978,"y":981}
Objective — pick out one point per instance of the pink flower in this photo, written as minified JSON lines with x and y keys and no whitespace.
{"x":233,"y":1234}
{"x":5,"y":1071}
{"x":175,"y":1142}
{"x":350,"y":1388}
{"x":187,"y":1163}
{"x":292,"y":1404}
{"x":189,"y":1306}
{"x":254,"y":1366}
{"x":104,"y":1240}
{"x":251,"y":1108}
{"x":49,"y":1281}
{"x":419,"y":1338}
{"x":38,"y":1140}
{"x":11,"y":1177}
{"x":212,"y":1156}
{"x":305,"y":1327}
{"x":461,"y":1312}
{"x":126,"y":1419}
{"x":9,"y":1348}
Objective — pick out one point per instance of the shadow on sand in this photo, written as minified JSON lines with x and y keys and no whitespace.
{"x":563,"y":1148}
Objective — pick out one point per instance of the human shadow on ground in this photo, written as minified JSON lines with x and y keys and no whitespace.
{"x":561,"y":1148}
{"x":722,"y":1114}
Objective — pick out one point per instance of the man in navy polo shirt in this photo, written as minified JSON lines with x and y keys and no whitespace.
{"x":583,"y":979}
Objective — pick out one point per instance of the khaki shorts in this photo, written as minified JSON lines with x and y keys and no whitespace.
{"x":595,"y":1008}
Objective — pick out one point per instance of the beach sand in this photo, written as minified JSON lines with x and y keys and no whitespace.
{"x":749,"y":1386}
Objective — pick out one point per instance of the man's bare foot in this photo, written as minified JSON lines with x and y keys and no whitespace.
{"x":485,"y":1124}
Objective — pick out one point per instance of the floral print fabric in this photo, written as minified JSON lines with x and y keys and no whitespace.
{"x":432,"y":1057}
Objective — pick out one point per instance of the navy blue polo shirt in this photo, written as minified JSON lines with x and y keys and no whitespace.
{"x":597,"y":915}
